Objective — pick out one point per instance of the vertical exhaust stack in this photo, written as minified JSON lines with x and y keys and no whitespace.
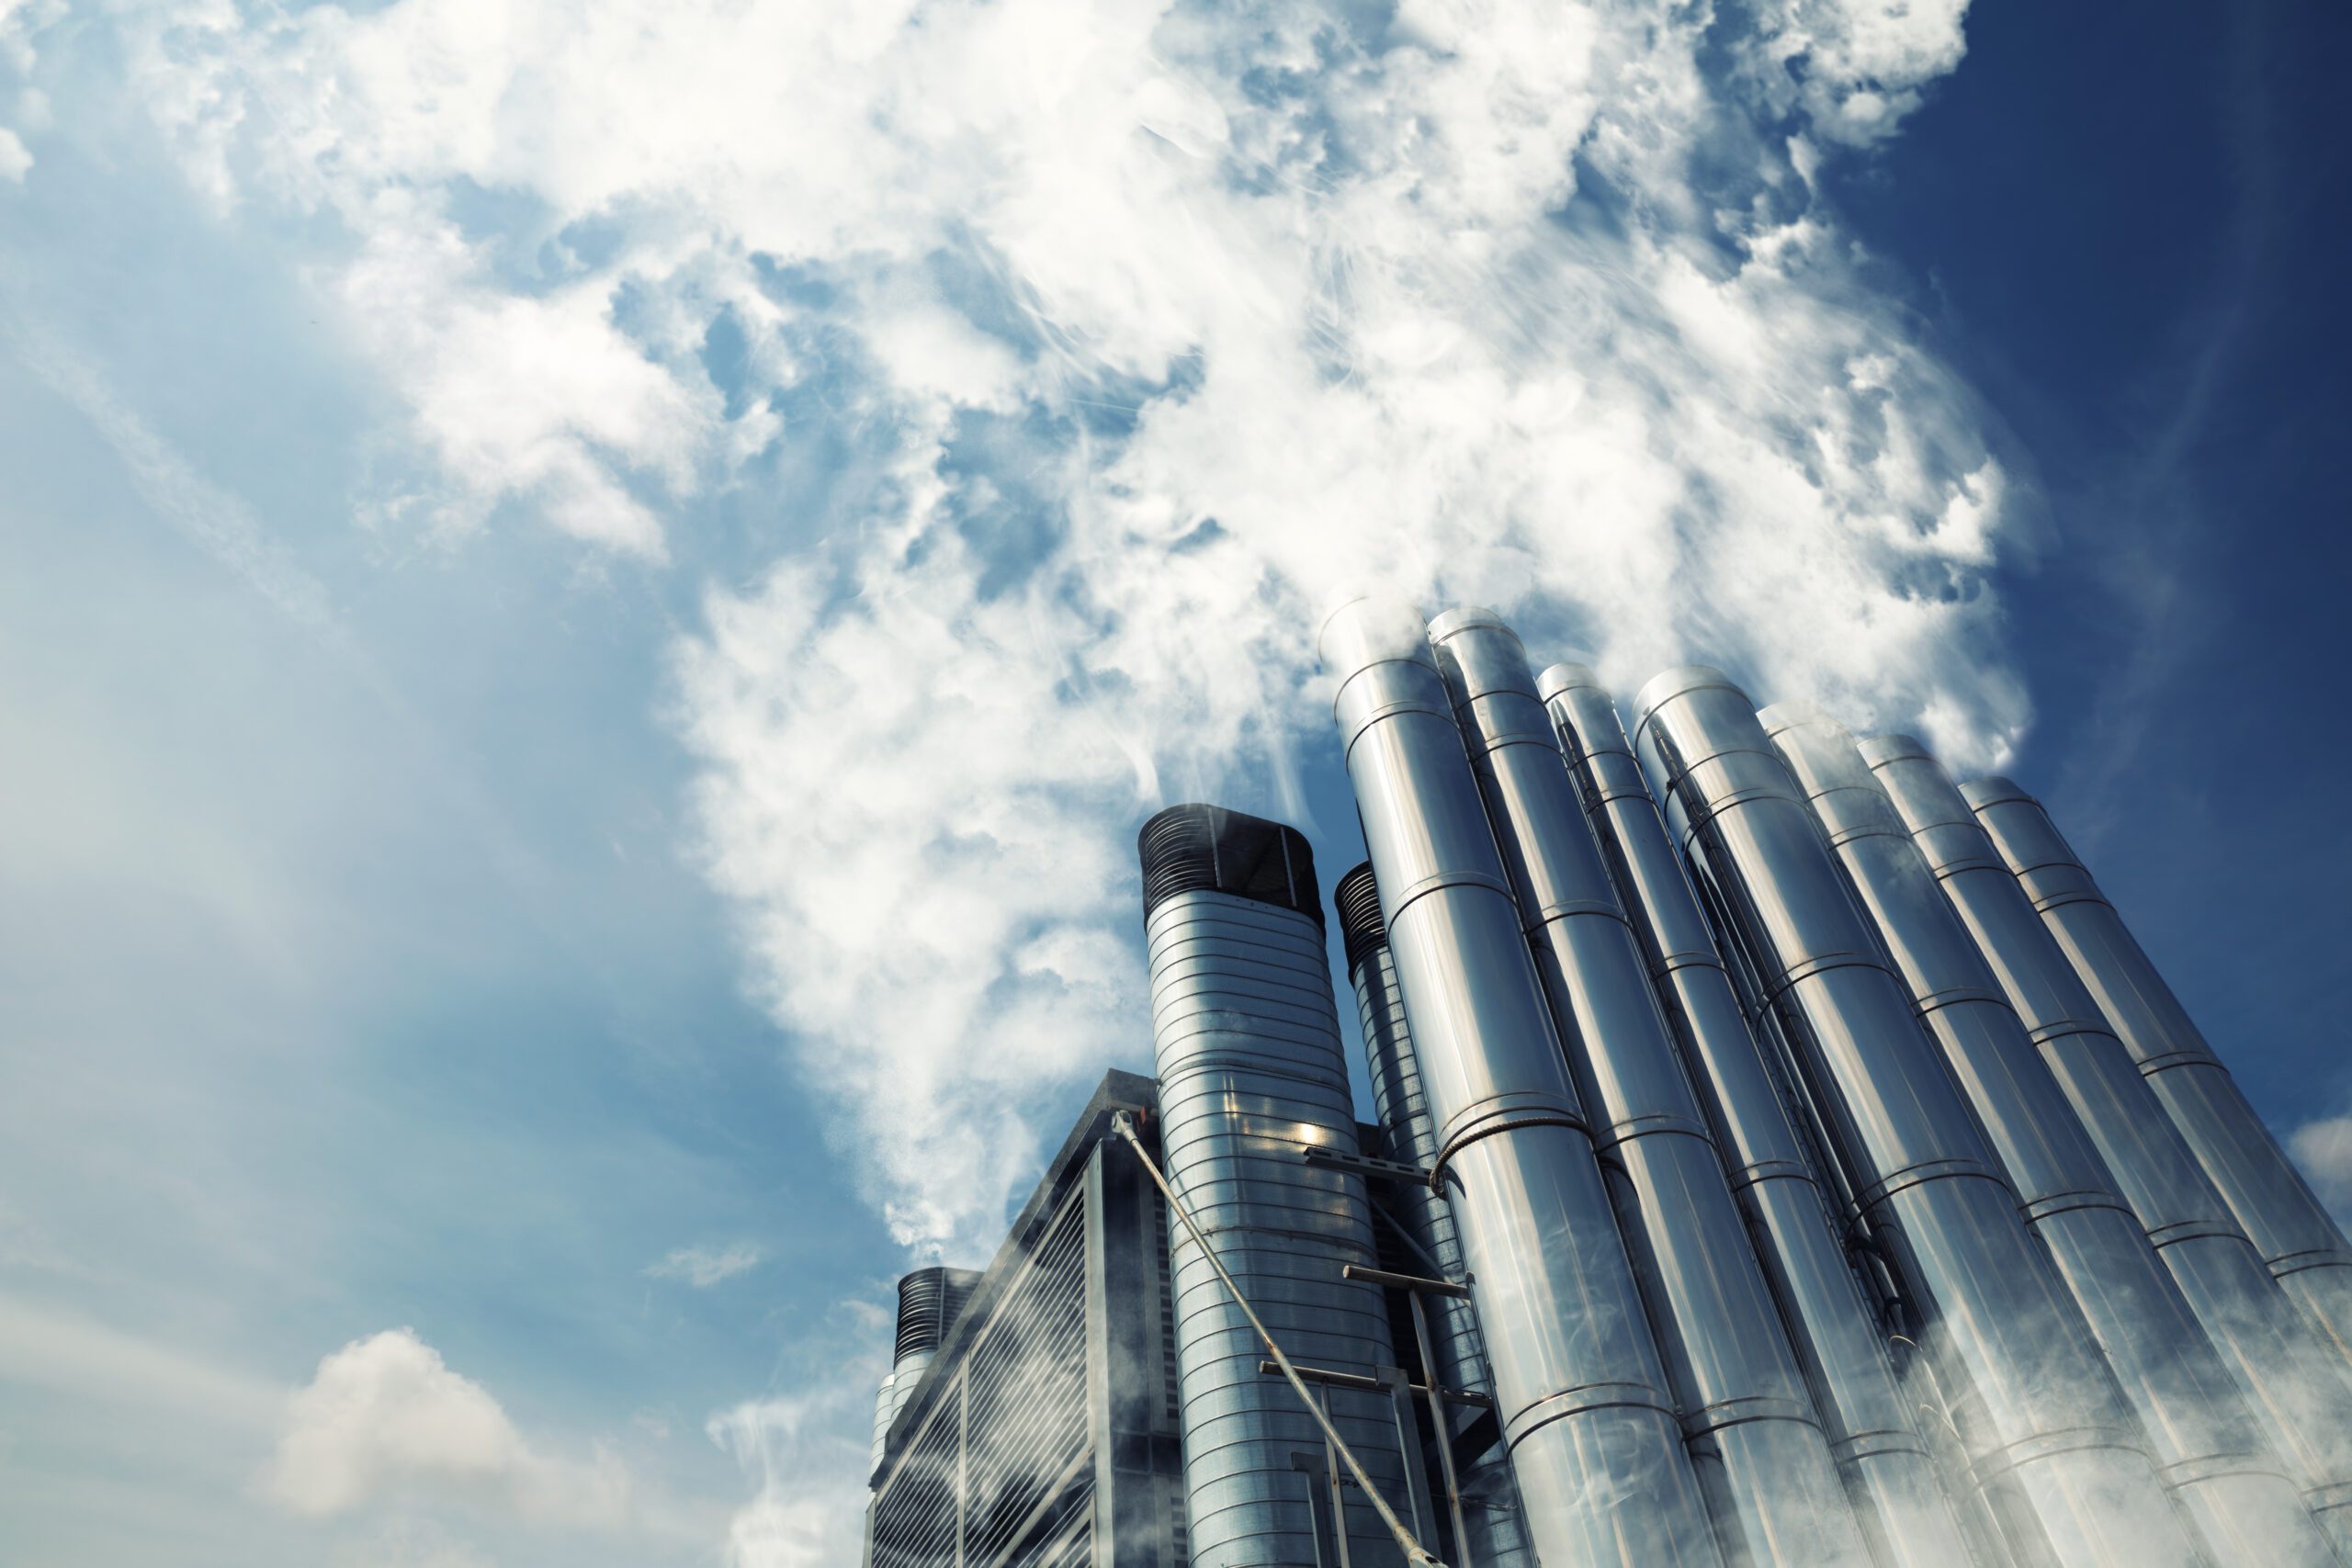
{"x":2051,"y":1444}
{"x":1492,"y":1508}
{"x":1251,"y":1076}
{"x":2244,"y":1508}
{"x":2292,"y":1381}
{"x":928,"y":1301}
{"x":1582,"y":1396}
{"x":2297,"y":1240}
{"x":1889,"y":1471}
{"x":883,"y":1410}
{"x":1747,"y":1415}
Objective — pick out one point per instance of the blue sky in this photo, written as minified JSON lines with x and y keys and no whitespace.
{"x":585,"y":623}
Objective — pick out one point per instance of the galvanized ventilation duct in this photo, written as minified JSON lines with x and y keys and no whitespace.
{"x":2051,"y":1443}
{"x":1583,"y":1397}
{"x":1747,"y":1415}
{"x":2237,"y":1496}
{"x":1888,"y":1467}
{"x":1252,"y":1075}
{"x":2298,"y":1240}
{"x":1491,"y":1506}
{"x":2293,"y":1381}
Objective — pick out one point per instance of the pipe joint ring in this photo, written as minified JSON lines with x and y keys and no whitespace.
{"x":1877,"y":1194}
{"x":1586,"y":1399}
{"x":1438,"y":882}
{"x":1990,"y":1467}
{"x":2288,"y":1263}
{"x":1866,"y":1446}
{"x":1729,"y":1412}
{"x":2053,"y":1204}
{"x":2214,"y":1467}
{"x":2217,"y":1229}
{"x":1509,"y":1122}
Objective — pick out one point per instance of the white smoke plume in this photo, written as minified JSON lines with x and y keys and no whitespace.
{"x":1082,"y":346}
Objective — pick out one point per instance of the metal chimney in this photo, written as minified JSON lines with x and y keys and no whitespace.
{"x":1890,"y":1473}
{"x":1492,"y":1508}
{"x":1252,"y":1076}
{"x":1746,"y":1415}
{"x":2292,"y":1383}
{"x":2244,"y":1509}
{"x":1583,"y":1398}
{"x":2051,"y":1446}
{"x":2298,"y":1239}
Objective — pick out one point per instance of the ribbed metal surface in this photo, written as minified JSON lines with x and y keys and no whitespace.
{"x":1746,"y":1415}
{"x":1582,"y":1396}
{"x":1195,"y":848}
{"x":1251,"y":1072}
{"x":1889,"y":1471}
{"x":2300,"y":1242}
{"x":2247,"y":1512}
{"x":1002,"y":1461}
{"x":2055,"y":1451}
{"x":1492,"y":1509}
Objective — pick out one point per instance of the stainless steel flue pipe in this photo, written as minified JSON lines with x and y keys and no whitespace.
{"x":2292,"y":1381}
{"x":1747,"y":1417}
{"x":2237,"y":1496}
{"x":1897,"y":1493}
{"x":1579,"y":1388}
{"x":2051,"y":1443}
{"x":2299,"y":1241}
{"x":1493,"y":1514}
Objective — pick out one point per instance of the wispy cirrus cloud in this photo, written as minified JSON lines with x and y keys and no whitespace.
{"x":702,"y":1267}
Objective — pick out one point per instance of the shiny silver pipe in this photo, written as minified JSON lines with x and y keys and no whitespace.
{"x":1889,"y":1471}
{"x":1408,"y":1132}
{"x":1252,"y":1073}
{"x":1582,"y":1396}
{"x":2236,"y":1495}
{"x":2292,"y":1382}
{"x":2299,"y":1241}
{"x":2049,"y":1441}
{"x":1747,"y":1417}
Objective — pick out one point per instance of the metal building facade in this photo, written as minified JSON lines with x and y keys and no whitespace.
{"x":1042,"y":1433}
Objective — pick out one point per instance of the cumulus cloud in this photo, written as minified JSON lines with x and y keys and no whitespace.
{"x":1086,"y":345}
{"x":385,"y":1419}
{"x":702,"y":1267}
{"x":2324,"y":1148}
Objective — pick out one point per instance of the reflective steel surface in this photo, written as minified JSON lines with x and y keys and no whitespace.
{"x":1492,"y":1509}
{"x":2246,"y":1511}
{"x":1251,"y":1069}
{"x":1583,"y":1396}
{"x":1747,"y":1414}
{"x":2049,"y":1443}
{"x":1836,"y":1334}
{"x":2298,"y":1239}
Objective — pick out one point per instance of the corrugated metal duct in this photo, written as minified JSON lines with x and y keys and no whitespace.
{"x":1252,"y":1073}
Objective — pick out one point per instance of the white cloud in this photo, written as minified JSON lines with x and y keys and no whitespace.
{"x":15,"y":158}
{"x":808,"y":1466}
{"x":2324,"y":1148}
{"x":1143,"y":322}
{"x":386,"y":1418}
{"x":702,"y":1267}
